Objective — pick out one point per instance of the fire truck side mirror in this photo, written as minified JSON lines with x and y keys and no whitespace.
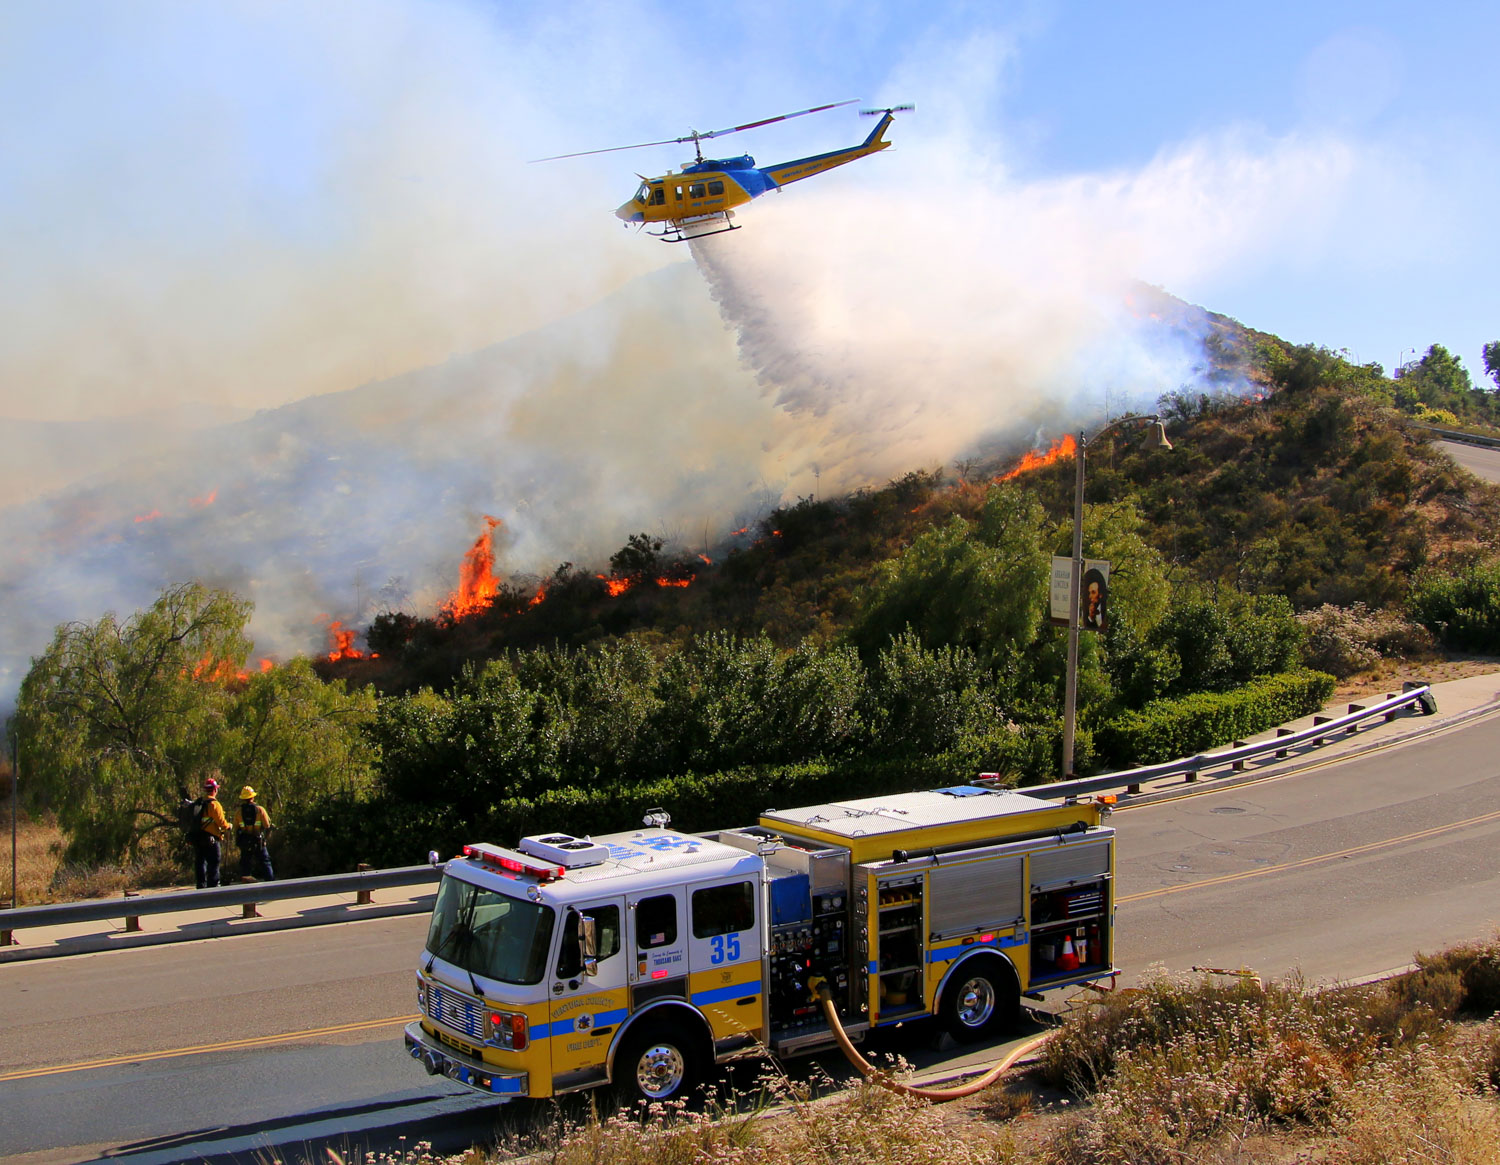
{"x":588,"y":945}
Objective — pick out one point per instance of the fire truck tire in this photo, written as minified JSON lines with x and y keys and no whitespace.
{"x":663,"y":1062}
{"x":982,"y":1000}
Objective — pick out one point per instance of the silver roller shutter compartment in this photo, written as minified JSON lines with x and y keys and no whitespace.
{"x":976,"y":895}
{"x":1070,"y":863}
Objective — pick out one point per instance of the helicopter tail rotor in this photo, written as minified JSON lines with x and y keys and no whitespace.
{"x":887,"y":109}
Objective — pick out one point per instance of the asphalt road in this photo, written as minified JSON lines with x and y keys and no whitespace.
{"x":1339,"y":872}
{"x":1479,"y":460}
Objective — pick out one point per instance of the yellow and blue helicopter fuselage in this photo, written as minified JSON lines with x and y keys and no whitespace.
{"x":701,"y":199}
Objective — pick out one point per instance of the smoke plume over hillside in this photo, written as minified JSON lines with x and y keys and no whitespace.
{"x":308,"y":210}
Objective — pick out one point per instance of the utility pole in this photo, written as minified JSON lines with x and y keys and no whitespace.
{"x":1075,"y":579}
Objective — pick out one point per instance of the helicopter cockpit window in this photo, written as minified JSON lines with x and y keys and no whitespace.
{"x":643,"y":195}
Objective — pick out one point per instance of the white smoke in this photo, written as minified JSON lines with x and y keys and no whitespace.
{"x":253,"y":205}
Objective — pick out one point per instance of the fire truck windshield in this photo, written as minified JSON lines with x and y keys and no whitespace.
{"x":487,"y":933}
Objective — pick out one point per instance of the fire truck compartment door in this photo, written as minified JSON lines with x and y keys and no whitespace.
{"x":1072,"y":862}
{"x":585,"y":1009}
{"x":724,"y":953}
{"x":989,"y":892}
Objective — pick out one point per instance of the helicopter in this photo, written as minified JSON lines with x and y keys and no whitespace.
{"x":700,"y":200}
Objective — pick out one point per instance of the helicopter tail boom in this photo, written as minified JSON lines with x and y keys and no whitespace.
{"x":800,"y":168}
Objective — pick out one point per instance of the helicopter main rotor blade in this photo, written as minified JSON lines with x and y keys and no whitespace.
{"x":610,"y":150}
{"x":695,"y":136}
{"x":768,"y":121}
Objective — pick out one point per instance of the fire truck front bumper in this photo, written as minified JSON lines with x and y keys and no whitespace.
{"x":440,"y":1060}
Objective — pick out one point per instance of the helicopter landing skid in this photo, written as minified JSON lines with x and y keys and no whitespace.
{"x":689,"y":229}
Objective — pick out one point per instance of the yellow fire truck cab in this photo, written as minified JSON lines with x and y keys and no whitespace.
{"x":643,"y":958}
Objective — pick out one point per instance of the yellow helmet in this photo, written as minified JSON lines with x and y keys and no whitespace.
{"x":247,"y":794}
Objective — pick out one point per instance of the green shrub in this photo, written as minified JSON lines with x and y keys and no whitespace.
{"x":1167,"y":730}
{"x":1462,"y":609}
{"x":1477,"y":968}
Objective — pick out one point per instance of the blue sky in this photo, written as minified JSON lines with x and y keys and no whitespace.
{"x":250,"y":202}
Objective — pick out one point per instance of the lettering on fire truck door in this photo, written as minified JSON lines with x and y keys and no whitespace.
{"x":586,"y":1010}
{"x":724,"y":953}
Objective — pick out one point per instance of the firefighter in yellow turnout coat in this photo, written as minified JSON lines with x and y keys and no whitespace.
{"x":252,"y":824}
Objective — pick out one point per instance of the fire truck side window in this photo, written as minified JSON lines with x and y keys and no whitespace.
{"x":723,"y":909}
{"x":606,"y":931}
{"x":656,"y":922}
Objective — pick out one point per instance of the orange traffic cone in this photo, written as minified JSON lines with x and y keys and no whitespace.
{"x":1067,"y":961}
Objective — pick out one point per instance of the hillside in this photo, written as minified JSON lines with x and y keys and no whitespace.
{"x":1319,"y":491}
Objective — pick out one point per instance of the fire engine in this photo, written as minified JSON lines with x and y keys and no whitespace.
{"x":641,"y":959}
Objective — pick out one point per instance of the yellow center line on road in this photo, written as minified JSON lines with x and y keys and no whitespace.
{"x":1302,"y":863}
{"x":202,"y":1049}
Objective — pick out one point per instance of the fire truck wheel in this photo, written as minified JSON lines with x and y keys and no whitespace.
{"x":664,"y":1063}
{"x":981,"y":1001}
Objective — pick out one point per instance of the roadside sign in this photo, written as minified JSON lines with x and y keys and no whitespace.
{"x":1093,"y":593}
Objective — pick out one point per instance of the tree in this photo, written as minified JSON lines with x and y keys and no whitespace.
{"x":639,"y":557}
{"x":1492,"y":361}
{"x":113,"y":717}
{"x":980,"y":587}
{"x":1438,"y":381}
{"x":297,"y":739}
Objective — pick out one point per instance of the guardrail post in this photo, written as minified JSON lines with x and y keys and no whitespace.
{"x":1391,"y":713}
{"x":362,"y":897}
{"x":1318,"y":740}
{"x":1190,"y":776}
{"x":1353,"y":708}
{"x":248,"y":910}
{"x":1426,"y":699}
{"x":8,"y":938}
{"x":1135,"y":788}
{"x":132,"y":924}
{"x":1281,"y":752}
{"x":1239,"y":765}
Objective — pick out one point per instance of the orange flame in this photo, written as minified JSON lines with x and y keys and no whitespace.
{"x":707,"y":560}
{"x":741,"y":530}
{"x":541,"y":593}
{"x":217,"y":671}
{"x":151,"y":517}
{"x":266,"y":665}
{"x":615,"y":586}
{"x":477,"y":584}
{"x":207,"y":499}
{"x":341,"y":640}
{"x":674,"y":582}
{"x":1065,"y":447}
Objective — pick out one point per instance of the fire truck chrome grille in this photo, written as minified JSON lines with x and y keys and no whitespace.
{"x":456,"y":1011}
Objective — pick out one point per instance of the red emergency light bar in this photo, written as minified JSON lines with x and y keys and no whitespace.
{"x":513,"y":863}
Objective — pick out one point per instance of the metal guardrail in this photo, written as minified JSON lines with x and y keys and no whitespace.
{"x":362,"y":883}
{"x":133,"y":908}
{"x":1189,"y":767}
{"x":1464,"y":438}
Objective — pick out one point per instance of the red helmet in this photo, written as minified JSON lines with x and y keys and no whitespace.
{"x":211,"y":784}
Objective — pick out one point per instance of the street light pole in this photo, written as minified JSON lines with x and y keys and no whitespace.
{"x":1075,"y":578}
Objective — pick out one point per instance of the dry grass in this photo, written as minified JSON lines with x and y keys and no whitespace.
{"x":1181,"y":1070}
{"x":44,"y":878}
{"x":38,"y":852}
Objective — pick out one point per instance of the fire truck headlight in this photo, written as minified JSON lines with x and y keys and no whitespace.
{"x":506,"y":1029}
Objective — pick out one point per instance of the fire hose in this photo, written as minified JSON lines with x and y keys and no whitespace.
{"x":819,"y":988}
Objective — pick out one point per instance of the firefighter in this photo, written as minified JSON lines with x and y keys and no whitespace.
{"x":251,"y":826}
{"x":206,"y":834}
